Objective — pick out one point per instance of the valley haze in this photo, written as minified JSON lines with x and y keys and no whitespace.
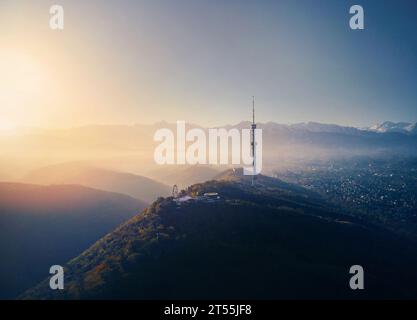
{"x":129,"y":148}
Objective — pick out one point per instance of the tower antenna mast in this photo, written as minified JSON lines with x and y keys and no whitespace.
{"x":253,"y":127}
{"x":253,"y":109}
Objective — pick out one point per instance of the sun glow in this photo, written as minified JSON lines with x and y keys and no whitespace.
{"x":23,"y":82}
{"x":7,"y":125}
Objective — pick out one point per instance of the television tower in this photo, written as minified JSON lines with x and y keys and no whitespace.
{"x":253,"y":146}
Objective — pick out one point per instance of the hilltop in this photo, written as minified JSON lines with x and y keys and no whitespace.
{"x":274,"y":240}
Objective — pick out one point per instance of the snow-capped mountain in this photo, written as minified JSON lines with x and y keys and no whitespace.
{"x":316,"y":127}
{"x":398,"y":127}
{"x":302,"y":127}
{"x":324,"y":127}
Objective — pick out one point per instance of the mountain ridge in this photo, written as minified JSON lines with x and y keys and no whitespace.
{"x":140,"y":187}
{"x":45,"y":225}
{"x":266,"y":242}
{"x":131,"y":148}
{"x":312,"y":126}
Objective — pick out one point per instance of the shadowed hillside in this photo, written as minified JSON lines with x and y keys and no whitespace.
{"x":273,"y":240}
{"x":45,"y":225}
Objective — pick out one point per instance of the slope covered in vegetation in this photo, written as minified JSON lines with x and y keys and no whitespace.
{"x":273,"y":240}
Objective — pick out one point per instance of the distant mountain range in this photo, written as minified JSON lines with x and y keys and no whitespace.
{"x":140,"y":187}
{"x":316,"y":141}
{"x":130,"y":148}
{"x":274,"y":240}
{"x":399,"y":127}
{"x":384,"y":127}
{"x":45,"y":225}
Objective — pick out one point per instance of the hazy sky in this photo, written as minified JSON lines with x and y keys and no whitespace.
{"x":201,"y":61}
